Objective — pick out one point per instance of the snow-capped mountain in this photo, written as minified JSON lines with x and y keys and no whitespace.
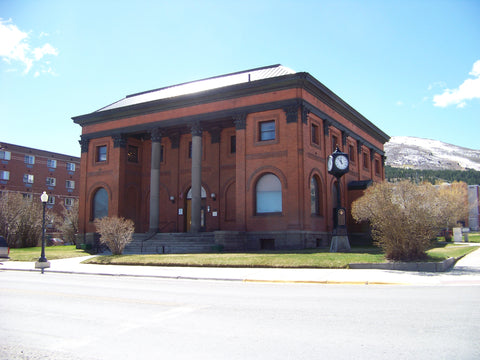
{"x":425,"y":154}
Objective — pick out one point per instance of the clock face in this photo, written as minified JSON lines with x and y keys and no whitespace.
{"x":330,"y":163}
{"x":341,"y":162}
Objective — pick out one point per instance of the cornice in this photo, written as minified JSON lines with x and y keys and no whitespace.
{"x":298,"y":80}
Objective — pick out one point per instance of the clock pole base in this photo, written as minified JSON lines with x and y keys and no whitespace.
{"x":340,"y":243}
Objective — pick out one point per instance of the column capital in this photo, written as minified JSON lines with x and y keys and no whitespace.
{"x":119,"y":140}
{"x":326,"y":127}
{"x":292,"y":112}
{"x":196,"y":129}
{"x":84,"y":142}
{"x":344,"y":138}
{"x":156,"y":134}
{"x":359,"y":146}
{"x":305,"y":111}
{"x":240,"y":120}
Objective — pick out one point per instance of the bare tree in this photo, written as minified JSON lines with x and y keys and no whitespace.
{"x":115,"y":232}
{"x":453,"y":203}
{"x":404,"y":217}
{"x":67,"y":224}
{"x":20,"y":220}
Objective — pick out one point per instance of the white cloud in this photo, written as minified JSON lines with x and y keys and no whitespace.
{"x":468,"y":90}
{"x":46,"y":49}
{"x":16,"y":46}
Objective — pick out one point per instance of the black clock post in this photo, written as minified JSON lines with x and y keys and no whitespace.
{"x":338,"y":165}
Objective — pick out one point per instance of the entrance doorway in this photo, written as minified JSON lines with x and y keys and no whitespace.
{"x":188,"y":210}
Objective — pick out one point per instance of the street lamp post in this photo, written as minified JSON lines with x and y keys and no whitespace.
{"x":42,"y":262}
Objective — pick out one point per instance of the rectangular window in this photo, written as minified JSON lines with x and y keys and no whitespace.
{"x":101,"y":155}
{"x":70,"y":166}
{"x":267,"y":130}
{"x":233,"y":144}
{"x":5,"y":155}
{"x":4,"y":175}
{"x":365,"y":160}
{"x":51,"y":181}
{"x":28,"y":178}
{"x":132,"y":154}
{"x":377,"y":167}
{"x":68,"y":201}
{"x":351,"y":153}
{"x":70,"y":184}
{"x":315,"y":135}
{"x":29,"y":159}
{"x":334,"y":143}
{"x":51,"y":200}
{"x":52,"y":163}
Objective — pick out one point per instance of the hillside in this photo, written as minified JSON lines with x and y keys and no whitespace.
{"x":430,"y":160}
{"x":425,"y":154}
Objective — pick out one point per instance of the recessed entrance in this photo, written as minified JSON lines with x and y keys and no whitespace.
{"x":188,"y":208}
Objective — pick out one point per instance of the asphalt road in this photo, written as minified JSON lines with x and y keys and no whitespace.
{"x":68,"y":316}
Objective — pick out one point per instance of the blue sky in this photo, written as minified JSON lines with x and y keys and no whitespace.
{"x":410,"y":67}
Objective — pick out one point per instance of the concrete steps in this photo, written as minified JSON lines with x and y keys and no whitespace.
{"x":172,"y":243}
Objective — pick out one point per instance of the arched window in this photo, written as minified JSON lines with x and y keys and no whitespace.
{"x":314,"y":196}
{"x":100,"y":204}
{"x":269,"y":194}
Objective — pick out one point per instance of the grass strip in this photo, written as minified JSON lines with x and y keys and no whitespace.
{"x":310,"y":258}
{"x":450,"y":250}
{"x":274,"y":259}
{"x":51,"y":253}
{"x":298,"y":259}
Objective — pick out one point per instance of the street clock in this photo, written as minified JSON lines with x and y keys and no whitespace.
{"x":338,"y":163}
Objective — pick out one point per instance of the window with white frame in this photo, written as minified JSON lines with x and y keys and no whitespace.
{"x":51,"y":163}
{"x":68,"y":201}
{"x":29,"y":159}
{"x":70,"y":184}
{"x":51,"y":181}
{"x":70,"y":166}
{"x":51,"y":200}
{"x":4,"y":175}
{"x":5,"y":155}
{"x":269,"y":194}
{"x":28,"y":178}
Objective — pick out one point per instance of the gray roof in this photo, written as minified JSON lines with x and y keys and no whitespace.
{"x":201,"y":85}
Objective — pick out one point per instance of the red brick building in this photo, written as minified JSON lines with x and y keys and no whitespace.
{"x":241,"y":157}
{"x":31,"y":172}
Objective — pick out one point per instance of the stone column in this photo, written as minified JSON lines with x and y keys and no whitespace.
{"x":155,"y":181}
{"x":196,"y":177}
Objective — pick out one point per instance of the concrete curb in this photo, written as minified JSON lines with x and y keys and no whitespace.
{"x":442,"y":266}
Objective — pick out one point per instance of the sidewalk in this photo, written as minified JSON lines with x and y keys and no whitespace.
{"x":465,"y":272}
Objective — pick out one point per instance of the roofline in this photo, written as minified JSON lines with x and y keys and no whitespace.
{"x":45,"y":153}
{"x":209,"y":78}
{"x":298,"y":80}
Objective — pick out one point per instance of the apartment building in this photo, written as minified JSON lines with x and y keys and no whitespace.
{"x":32,"y":171}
